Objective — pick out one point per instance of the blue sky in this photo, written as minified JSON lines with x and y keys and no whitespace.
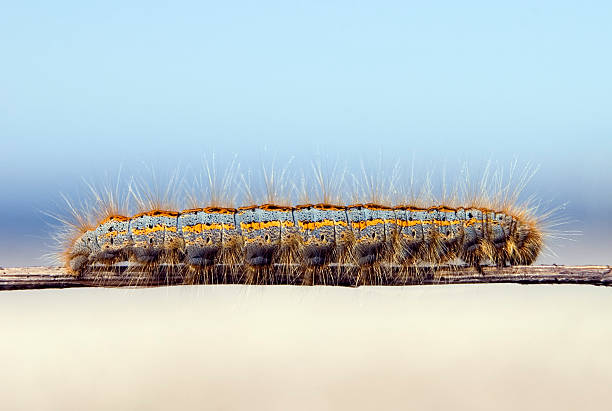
{"x":85,"y":88}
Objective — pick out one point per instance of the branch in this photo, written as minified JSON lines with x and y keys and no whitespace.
{"x":23,"y":278}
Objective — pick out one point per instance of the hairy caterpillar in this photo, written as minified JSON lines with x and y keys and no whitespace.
{"x":260,"y":241}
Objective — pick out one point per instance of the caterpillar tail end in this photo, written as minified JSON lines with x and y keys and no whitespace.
{"x":524,"y":247}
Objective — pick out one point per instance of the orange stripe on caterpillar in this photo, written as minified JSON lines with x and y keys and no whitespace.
{"x":263,"y":225}
{"x":115,"y":233}
{"x":156,"y":228}
{"x":199,"y":228}
{"x":313,"y":225}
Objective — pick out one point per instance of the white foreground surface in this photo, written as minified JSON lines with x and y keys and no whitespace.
{"x":476,"y":347}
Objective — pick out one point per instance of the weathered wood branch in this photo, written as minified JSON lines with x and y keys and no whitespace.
{"x":22,"y":278}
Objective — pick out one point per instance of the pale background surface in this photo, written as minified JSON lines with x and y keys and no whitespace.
{"x":503,"y":347}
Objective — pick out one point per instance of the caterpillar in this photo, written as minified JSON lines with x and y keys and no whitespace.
{"x":270,"y":243}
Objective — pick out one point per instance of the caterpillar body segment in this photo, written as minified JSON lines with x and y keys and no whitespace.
{"x":307,"y":239}
{"x":322,"y":231}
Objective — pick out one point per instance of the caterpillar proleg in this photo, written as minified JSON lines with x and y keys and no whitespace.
{"x":306,"y":243}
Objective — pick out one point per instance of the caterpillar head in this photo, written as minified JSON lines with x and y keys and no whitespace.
{"x":81,"y":251}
